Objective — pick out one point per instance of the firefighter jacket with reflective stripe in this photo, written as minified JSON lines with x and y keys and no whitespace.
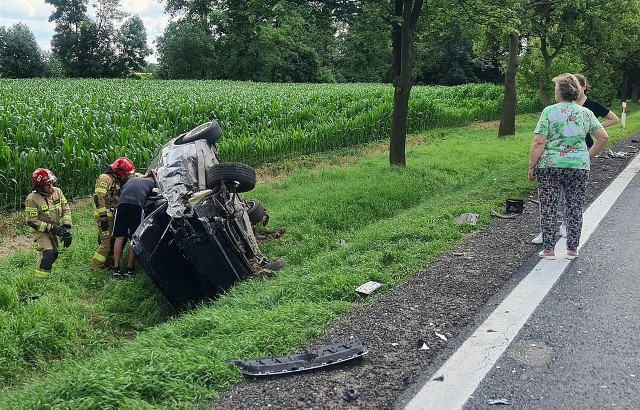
{"x":46,"y":210}
{"x":106,"y":194}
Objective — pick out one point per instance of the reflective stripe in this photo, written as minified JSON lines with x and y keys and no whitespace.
{"x":101,"y":190}
{"x":42,"y":227}
{"x":99,"y":258}
{"x":103,"y":211}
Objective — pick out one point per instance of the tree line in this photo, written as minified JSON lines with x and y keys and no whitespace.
{"x":112,"y":45}
{"x":520,"y":43}
{"x":455,"y":42}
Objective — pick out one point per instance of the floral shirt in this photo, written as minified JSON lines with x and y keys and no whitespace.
{"x":565,"y":125}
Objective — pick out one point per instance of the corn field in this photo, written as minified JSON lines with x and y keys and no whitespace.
{"x":77,"y":127}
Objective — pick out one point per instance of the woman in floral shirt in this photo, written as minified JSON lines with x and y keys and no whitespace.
{"x":560,"y":159}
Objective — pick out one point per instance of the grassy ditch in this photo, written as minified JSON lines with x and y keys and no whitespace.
{"x":91,"y":342}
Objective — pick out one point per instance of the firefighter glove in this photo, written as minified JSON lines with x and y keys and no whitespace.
{"x":66,"y":240}
{"x":58,"y":230}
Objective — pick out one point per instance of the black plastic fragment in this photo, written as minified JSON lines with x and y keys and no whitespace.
{"x":351,"y":395}
{"x":311,"y":359}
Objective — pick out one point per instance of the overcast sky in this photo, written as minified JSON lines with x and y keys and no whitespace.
{"x":35,"y":14}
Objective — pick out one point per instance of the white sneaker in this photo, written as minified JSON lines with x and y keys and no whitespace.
{"x":538,"y":239}
{"x":563,"y":231}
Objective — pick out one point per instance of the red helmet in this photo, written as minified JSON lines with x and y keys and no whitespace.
{"x":122,"y":167}
{"x":42,"y":176}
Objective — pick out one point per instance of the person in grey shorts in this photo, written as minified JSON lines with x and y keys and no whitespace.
{"x":129,"y":215}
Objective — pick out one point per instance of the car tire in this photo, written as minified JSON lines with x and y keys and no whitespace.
{"x":256,"y":211}
{"x":232,"y":172}
{"x":209,"y":131}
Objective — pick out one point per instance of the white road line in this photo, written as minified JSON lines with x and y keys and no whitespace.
{"x":464,"y":371}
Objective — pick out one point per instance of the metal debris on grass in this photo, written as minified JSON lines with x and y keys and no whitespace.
{"x":470,"y":219}
{"x":368,"y":287}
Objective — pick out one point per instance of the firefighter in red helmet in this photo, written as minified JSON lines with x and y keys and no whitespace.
{"x":105,"y":198}
{"x":49,"y":214}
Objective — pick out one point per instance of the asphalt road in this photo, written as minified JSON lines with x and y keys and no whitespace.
{"x":568,"y":336}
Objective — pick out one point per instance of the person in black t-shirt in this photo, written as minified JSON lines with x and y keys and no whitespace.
{"x":598,"y":109}
{"x":129,"y":215}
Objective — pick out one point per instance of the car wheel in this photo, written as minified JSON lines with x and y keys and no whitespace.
{"x":256,"y":211}
{"x":229,"y":173}
{"x":209,"y":131}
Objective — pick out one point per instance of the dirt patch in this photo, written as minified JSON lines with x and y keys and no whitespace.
{"x":443,"y":299}
{"x":14,"y":234}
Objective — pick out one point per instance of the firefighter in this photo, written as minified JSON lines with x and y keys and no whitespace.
{"x":105,"y":198}
{"x":49,"y":214}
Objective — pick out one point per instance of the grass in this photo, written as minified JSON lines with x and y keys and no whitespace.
{"x":91,"y":342}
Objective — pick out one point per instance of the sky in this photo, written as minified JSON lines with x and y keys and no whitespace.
{"x":35,"y":14}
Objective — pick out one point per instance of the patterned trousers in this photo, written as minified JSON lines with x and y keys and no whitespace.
{"x":550,"y":182}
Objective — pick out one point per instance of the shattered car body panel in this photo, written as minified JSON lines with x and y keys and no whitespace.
{"x":179,"y":172}
{"x":311,"y":359}
{"x":197,"y":240}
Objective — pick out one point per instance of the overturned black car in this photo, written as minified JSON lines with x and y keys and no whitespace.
{"x":198,"y":237}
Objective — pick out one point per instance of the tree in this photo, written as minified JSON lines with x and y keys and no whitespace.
{"x":67,"y":42}
{"x":365,"y":49}
{"x":404,"y":19}
{"x":446,"y":57}
{"x":97,"y":48}
{"x":20,"y":55}
{"x":270,"y":40}
{"x":587,"y":36}
{"x":131,"y":46}
{"x":186,"y":51}
{"x":52,"y":65}
{"x":508,"y":115}
{"x":104,"y":53}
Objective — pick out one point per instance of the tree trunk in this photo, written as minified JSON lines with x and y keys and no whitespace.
{"x":547,"y":59}
{"x":508,"y":117}
{"x":635,"y":91}
{"x":625,"y":85}
{"x":544,"y":97}
{"x":402,"y":41}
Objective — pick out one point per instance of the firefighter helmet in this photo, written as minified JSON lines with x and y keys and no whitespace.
{"x":42,"y":177}
{"x":123,"y":167}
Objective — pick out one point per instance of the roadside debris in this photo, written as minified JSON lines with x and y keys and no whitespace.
{"x":311,"y":359}
{"x":497,"y":215}
{"x":499,"y":401}
{"x":368,"y":287}
{"x":422,"y":345}
{"x":29,"y":298}
{"x":438,"y":379}
{"x":514,"y":206}
{"x":351,"y":395}
{"x":470,"y":219}
{"x":619,"y":154}
{"x":440,"y":335}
